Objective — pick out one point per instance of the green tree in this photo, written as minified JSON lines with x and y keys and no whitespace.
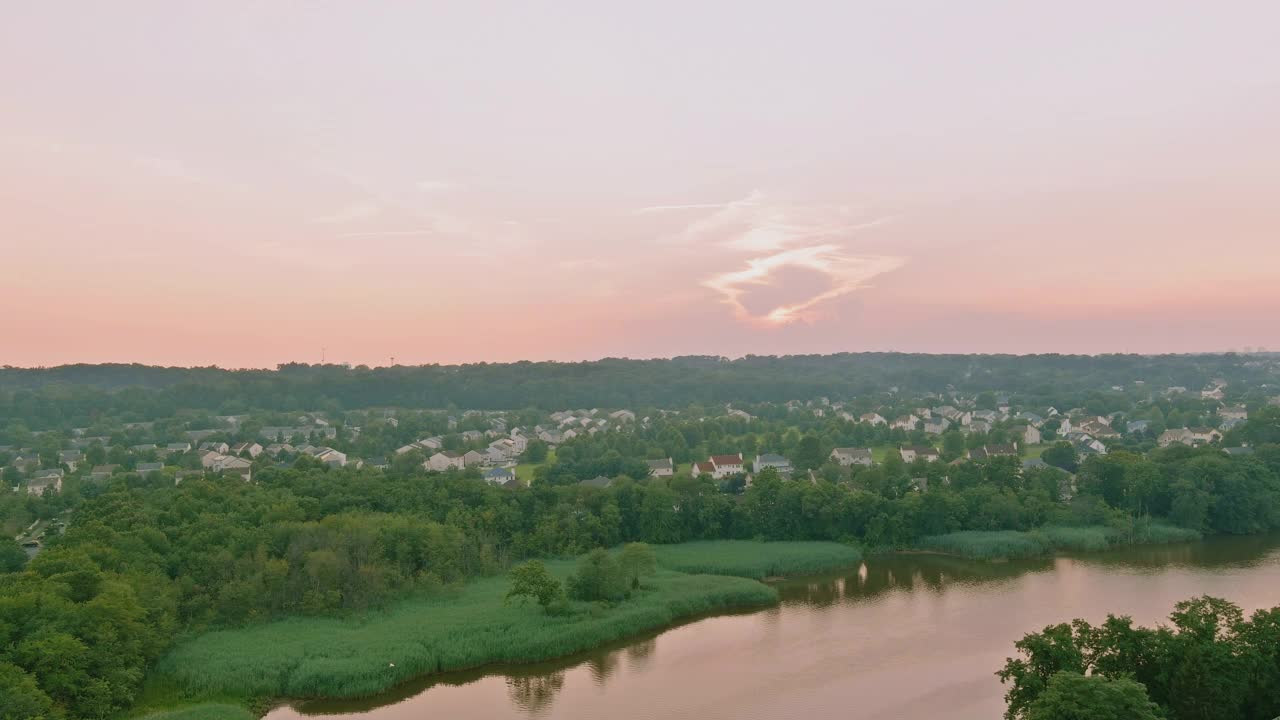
{"x":598,"y":578}
{"x":1071,"y":696}
{"x":1061,"y":455}
{"x":12,"y":557}
{"x":535,"y":451}
{"x":532,"y":580}
{"x":21,"y":698}
{"x":636,"y":560}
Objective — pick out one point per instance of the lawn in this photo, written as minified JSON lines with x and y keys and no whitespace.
{"x":466,"y":628}
{"x":524,"y":471}
{"x":1030,"y":452}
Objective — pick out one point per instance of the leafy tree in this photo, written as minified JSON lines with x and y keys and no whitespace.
{"x":21,"y":698}
{"x":1062,"y":455}
{"x":12,"y":556}
{"x":636,"y":560}
{"x":598,"y":578}
{"x":1071,"y":696}
{"x":531,"y":579}
{"x":535,"y":451}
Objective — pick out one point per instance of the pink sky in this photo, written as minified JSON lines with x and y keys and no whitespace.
{"x":243,"y":184}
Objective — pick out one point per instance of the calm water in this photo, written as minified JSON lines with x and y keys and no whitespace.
{"x":904,"y":637}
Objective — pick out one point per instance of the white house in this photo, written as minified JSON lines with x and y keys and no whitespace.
{"x":726,"y":465}
{"x":851,"y":456}
{"x":662,"y":468}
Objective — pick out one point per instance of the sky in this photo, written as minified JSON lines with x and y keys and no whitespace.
{"x":248,"y":183}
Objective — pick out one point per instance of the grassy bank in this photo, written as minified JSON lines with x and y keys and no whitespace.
{"x":207,"y":711}
{"x":753,"y":559}
{"x":1010,"y":544}
{"x":326,"y":657}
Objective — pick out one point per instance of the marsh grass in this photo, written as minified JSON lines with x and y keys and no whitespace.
{"x":207,"y":711}
{"x":1011,"y":544}
{"x":327,"y":657}
{"x":758,"y":560}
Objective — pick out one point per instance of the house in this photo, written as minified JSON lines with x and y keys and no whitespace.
{"x":70,"y":458}
{"x":472,"y":435}
{"x":178,"y":447}
{"x":187,"y":475}
{"x":253,"y":448}
{"x":1030,"y":435}
{"x":913,"y":452}
{"x":237,"y":466}
{"x":1034,"y":464}
{"x":102,"y":472}
{"x":45,"y":480}
{"x":552,"y":437}
{"x":906,"y":422}
{"x":1086,"y":444}
{"x":499,"y":476}
{"x":408,"y":448}
{"x":742,"y":414}
{"x":873,"y":418}
{"x":494,"y":456}
{"x":148,"y":467}
{"x":330,"y":457}
{"x":1233,"y":412}
{"x":444,"y":460}
{"x":661,"y":468}
{"x":275,"y":449}
{"x":851,"y":456}
{"x":777,"y":462}
{"x":936,"y":425}
{"x":474,"y":457}
{"x":1237,"y":452}
{"x":726,"y":465}
{"x":623,"y":416}
{"x":703,"y":468}
{"x":378,"y":461}
{"x":1029,"y":417}
{"x":598,"y":481}
{"x":1188,"y":436}
{"x":1204,"y":435}
{"x":1136,"y":427}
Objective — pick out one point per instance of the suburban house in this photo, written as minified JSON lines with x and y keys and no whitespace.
{"x":1233,"y":412}
{"x":216,"y":446}
{"x":623,"y":416}
{"x":330,"y":457}
{"x":70,"y":458}
{"x":1188,"y":436}
{"x":45,"y":480}
{"x":873,"y":418}
{"x":444,"y":460}
{"x":777,"y":462}
{"x":1030,"y":435}
{"x":912,"y":452}
{"x":499,"y":476}
{"x":474,"y":457}
{"x":472,"y":435}
{"x":906,"y":422}
{"x":598,"y":481}
{"x":253,"y":448}
{"x":102,"y":472}
{"x":703,"y":468}
{"x":235,"y":465}
{"x":661,"y":468}
{"x":851,"y":456}
{"x":726,"y":465}
{"x":936,"y":425}
{"x":178,"y":447}
{"x":1138,"y":426}
{"x":148,"y":467}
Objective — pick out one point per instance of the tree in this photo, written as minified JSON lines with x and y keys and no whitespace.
{"x":598,"y":578}
{"x":535,"y":451}
{"x":12,"y":557}
{"x":1071,"y":696}
{"x":21,"y":698}
{"x":635,"y":560}
{"x":808,"y":455}
{"x":532,"y":580}
{"x":1061,"y":455}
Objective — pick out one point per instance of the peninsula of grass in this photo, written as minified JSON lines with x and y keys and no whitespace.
{"x":206,"y":711}
{"x":755,"y":559}
{"x":330,"y":657}
{"x":1012,"y":545}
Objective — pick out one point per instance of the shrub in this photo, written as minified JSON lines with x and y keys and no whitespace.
{"x":599,"y":578}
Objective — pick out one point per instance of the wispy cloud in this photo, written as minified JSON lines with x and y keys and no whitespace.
{"x":769,"y":236}
{"x":432,"y":186}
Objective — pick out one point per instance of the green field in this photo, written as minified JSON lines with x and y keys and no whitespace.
{"x":754,"y":559}
{"x":1034,"y":451}
{"x":464,"y":628}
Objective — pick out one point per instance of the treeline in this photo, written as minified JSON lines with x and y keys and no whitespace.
{"x":43,"y":394}
{"x":1209,"y":663}
{"x":143,"y":560}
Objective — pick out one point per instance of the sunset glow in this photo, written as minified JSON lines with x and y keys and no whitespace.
{"x":248,"y":184}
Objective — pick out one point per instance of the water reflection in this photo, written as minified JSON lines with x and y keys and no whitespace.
{"x":900,"y":637}
{"x":534,"y":693}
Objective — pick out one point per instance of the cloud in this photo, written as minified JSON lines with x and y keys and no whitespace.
{"x":770,"y":237}
{"x":359,"y":210}
{"x":431,"y":186}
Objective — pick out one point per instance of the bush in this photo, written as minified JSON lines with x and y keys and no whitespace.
{"x":599,"y":578}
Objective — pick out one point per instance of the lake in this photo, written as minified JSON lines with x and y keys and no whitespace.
{"x":902,"y":637}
